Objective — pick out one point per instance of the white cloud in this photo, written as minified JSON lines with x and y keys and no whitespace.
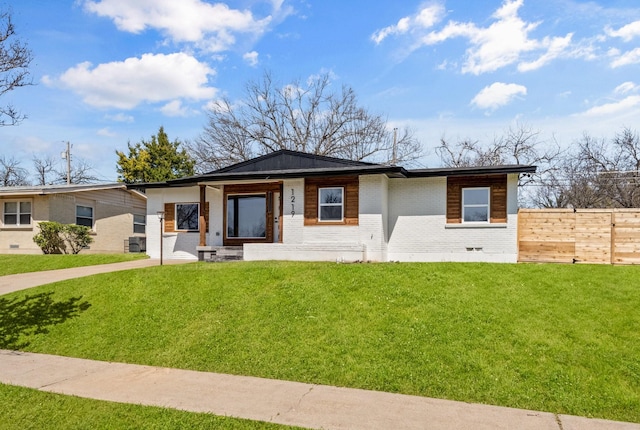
{"x":498,"y":94}
{"x":613,"y":52}
{"x":33,"y":144}
{"x":219,"y":106}
{"x":626,"y":87}
{"x":150,"y":78}
{"x":120,"y":117}
{"x":504,"y":42}
{"x":626,"y":33}
{"x":556,"y":47}
{"x":427,"y":17}
{"x":211,"y":26}
{"x":613,"y":108}
{"x":174,"y":108}
{"x":106,"y":132}
{"x":630,"y":57}
{"x":251,"y":58}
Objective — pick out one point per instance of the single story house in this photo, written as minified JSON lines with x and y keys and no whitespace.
{"x":289,"y":205}
{"x":112,"y":211}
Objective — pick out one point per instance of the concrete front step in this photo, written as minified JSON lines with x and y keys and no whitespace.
{"x":219,"y":253}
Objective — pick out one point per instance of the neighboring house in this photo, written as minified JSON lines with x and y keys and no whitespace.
{"x":113,"y":212}
{"x":289,"y":205}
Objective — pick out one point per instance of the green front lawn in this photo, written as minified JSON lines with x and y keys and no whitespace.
{"x":24,"y":408}
{"x":11,"y":263}
{"x":557,"y":338}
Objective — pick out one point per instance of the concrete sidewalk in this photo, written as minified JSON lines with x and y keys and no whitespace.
{"x":282,"y":402}
{"x":22,"y":281}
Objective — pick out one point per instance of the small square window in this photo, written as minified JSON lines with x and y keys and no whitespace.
{"x":84,"y":216}
{"x":187,"y":216}
{"x":330,"y":204}
{"x":139,"y":224}
{"x":475,"y":204}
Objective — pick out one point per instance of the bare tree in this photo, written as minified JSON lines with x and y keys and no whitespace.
{"x":11,"y":173}
{"x":15,"y":58}
{"x":518,"y":145}
{"x":570,"y":185}
{"x":48,"y":171}
{"x":305,"y":117}
{"x":81,"y":173}
{"x":614,"y":167}
{"x":598,"y":173}
{"x":45,"y":170}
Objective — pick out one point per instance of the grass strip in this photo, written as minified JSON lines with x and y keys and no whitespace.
{"x":11,"y":264}
{"x":557,"y":338}
{"x":24,"y":408}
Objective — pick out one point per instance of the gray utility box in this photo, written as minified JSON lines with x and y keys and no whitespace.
{"x":137,"y":244}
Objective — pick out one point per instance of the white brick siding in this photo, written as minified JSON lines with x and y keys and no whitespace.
{"x":399,"y":220}
{"x":419,"y":232}
{"x":293,"y":224}
{"x":373,"y":219}
{"x":176,"y":245}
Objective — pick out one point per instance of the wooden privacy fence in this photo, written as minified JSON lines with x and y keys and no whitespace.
{"x":604,"y":236}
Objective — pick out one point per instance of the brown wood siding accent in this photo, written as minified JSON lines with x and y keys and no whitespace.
{"x":498,"y":196}
{"x":351,"y":186}
{"x":499,"y":200}
{"x":170,"y":216}
{"x":267,"y":189}
{"x":251,"y":188}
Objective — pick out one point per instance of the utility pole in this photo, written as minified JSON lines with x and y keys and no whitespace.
{"x":67,"y":155}
{"x":394,"y":150}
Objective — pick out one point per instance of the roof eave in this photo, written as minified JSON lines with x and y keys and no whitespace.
{"x":391,"y":171}
{"x":45,"y":190}
{"x":471,"y":171}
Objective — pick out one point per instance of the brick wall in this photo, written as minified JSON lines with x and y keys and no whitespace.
{"x":176,"y":245}
{"x":113,"y":219}
{"x":418,"y":230}
{"x":374,"y":216}
{"x":399,"y":220}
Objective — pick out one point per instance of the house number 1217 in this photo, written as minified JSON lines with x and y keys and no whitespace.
{"x":293,"y":203}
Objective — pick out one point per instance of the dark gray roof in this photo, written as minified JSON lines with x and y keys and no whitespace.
{"x":291,"y":164}
{"x":289,"y":160}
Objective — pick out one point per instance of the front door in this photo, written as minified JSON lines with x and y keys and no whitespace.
{"x":276,"y":217}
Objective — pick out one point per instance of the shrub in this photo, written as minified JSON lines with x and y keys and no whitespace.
{"x":49,"y":239}
{"x":55,"y":238}
{"x":76,"y":236}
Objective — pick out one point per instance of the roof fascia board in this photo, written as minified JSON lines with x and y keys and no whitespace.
{"x":59,"y":190}
{"x":471,"y":171}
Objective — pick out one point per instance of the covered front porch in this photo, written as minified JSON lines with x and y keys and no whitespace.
{"x":247,"y":212}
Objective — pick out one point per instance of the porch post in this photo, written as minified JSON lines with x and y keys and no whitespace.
{"x":203,"y":220}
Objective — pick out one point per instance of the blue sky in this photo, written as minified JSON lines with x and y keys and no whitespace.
{"x":112,"y":71}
